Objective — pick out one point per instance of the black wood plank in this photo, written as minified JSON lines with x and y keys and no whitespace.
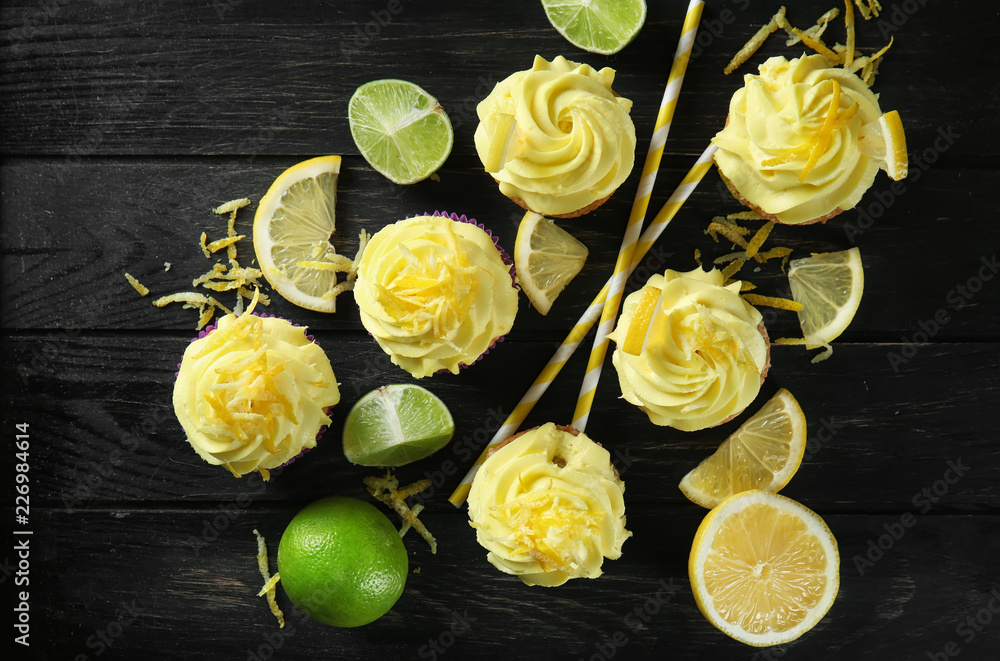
{"x":86,"y":78}
{"x":93,"y":575}
{"x":66,"y":255}
{"x":100,"y":407}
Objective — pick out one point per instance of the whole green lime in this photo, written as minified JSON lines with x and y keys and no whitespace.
{"x":342,"y":562}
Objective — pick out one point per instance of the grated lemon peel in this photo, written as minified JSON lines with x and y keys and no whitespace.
{"x":772,"y":302}
{"x":387,"y":490}
{"x":220,"y":278}
{"x":269,"y":581}
{"x":138,"y":286}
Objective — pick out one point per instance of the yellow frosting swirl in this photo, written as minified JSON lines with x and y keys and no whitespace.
{"x":251,"y":394}
{"x":572,"y":143}
{"x":704,"y":355}
{"x":434,"y":293}
{"x":549,"y":507}
{"x":776,"y":128}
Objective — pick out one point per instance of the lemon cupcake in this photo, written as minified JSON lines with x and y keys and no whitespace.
{"x":689,"y":351}
{"x":549,"y":506}
{"x":556,"y":138}
{"x":792,"y":149}
{"x":252,"y":393}
{"x":436,"y":292}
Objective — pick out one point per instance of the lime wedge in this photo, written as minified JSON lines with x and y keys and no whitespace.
{"x":395,"y":425}
{"x":597,"y":26}
{"x":400,"y":129}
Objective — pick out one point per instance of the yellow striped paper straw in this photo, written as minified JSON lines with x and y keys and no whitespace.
{"x":586,"y":321}
{"x":660,"y":131}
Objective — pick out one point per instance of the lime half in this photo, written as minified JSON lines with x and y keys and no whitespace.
{"x":395,"y":425}
{"x":597,"y":26}
{"x":400,"y":129}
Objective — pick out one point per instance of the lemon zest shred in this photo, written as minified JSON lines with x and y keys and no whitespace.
{"x":746,"y":285}
{"x":851,"y":36}
{"x":138,"y":286}
{"x":817,"y":30}
{"x":744,"y":215}
{"x":815,"y":44}
{"x":732,"y":269}
{"x":871,"y":67}
{"x":868,"y":8}
{"x":269,"y":581}
{"x":777,"y":251}
{"x":759,"y":238}
{"x":731,"y":232}
{"x":386,"y":489}
{"x":755,"y":42}
{"x":729,"y":257}
{"x":697,"y":257}
{"x":219,"y":244}
{"x":231,"y":469}
{"x":818,"y":358}
{"x":231,"y":206}
{"x":772,"y":302}
{"x":204,"y":248}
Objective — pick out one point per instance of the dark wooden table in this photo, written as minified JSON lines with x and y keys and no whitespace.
{"x":124,"y":123}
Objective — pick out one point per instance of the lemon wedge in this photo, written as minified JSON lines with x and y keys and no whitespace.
{"x":829,"y":287}
{"x":764,"y":453}
{"x":546,"y":258}
{"x":764,"y":569}
{"x":638,"y":329}
{"x":884,"y":142}
{"x":293,"y":224}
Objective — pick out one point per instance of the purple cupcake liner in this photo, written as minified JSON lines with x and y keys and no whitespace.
{"x":207,"y":330}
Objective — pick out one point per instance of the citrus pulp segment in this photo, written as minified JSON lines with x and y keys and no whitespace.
{"x":400,"y":129}
{"x":764,"y":453}
{"x":395,"y":425}
{"x":764,"y":569}
{"x":546,"y":259}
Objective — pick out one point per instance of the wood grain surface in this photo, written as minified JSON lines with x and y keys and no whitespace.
{"x":126,"y":122}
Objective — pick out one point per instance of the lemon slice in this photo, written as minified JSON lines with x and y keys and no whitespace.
{"x":400,"y":129}
{"x":638,"y":328}
{"x":395,"y":425}
{"x":294,"y":222}
{"x":764,"y":453}
{"x":884,"y":142}
{"x":829,"y":287}
{"x":546,"y":258}
{"x":764,"y":569}
{"x":597,"y":26}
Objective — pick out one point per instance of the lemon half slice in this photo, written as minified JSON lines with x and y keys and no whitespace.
{"x":294,"y":222}
{"x":764,"y":569}
{"x":546,"y":258}
{"x":764,"y":453}
{"x":829,"y":287}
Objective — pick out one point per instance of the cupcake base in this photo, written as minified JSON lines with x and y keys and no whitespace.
{"x":572,"y":214}
{"x":768,"y":216}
